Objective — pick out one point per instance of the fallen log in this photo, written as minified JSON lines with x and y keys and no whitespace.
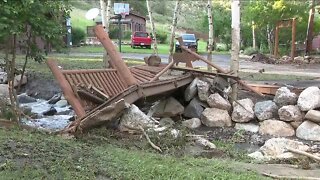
{"x":289,"y":177}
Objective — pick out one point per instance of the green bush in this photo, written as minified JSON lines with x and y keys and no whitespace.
{"x":162,"y":36}
{"x":250,"y":50}
{"x":113,"y":32}
{"x":78,"y":35}
{"x":126,"y":35}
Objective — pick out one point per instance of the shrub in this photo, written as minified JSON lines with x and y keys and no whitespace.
{"x":78,"y":35}
{"x":162,"y":36}
{"x":250,"y":50}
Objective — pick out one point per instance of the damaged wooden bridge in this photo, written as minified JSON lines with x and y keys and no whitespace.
{"x":92,"y":91}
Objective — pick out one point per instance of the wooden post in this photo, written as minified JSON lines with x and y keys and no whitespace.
{"x":173,"y":28}
{"x":155,"y":48}
{"x":66,"y":88}
{"x":103,"y":12}
{"x":115,"y":57}
{"x":310,"y":28}
{"x":210,"y":44}
{"x":108,"y":13}
{"x":235,"y":34}
{"x":293,"y":43}
{"x":276,"y":41}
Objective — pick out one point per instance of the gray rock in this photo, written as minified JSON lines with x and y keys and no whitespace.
{"x":276,"y":148}
{"x":17,"y":80}
{"x":296,"y":124}
{"x":216,"y":101}
{"x":309,"y":99}
{"x":205,"y":143}
{"x":55,"y":98}
{"x":284,"y":97}
{"x":308,"y":131}
{"x":133,"y":117}
{"x":250,"y":127}
{"x":167,"y":108}
{"x":213,"y":117}
{"x":26,"y":110}
{"x":290,"y":113}
{"x":313,"y":116}
{"x":265,"y":110}
{"x":192,"y":123}
{"x":191,"y":90}
{"x":203,"y":90}
{"x":50,"y":112}
{"x":168,"y":122}
{"x":62,"y":103}
{"x":4,"y":91}
{"x":276,"y":128}
{"x":3,"y":77}
{"x":194,"y":109}
{"x":240,"y":114}
{"x":24,"y":98}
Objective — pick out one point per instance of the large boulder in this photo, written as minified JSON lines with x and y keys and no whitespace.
{"x":243,"y":112}
{"x":18,"y":78}
{"x":276,"y":148}
{"x":24,"y":98}
{"x":284,"y":97}
{"x":194,"y":109}
{"x":192,"y":123}
{"x":265,"y":110}
{"x":4,"y":91}
{"x":203,"y":90}
{"x":167,"y":108}
{"x":50,"y":112}
{"x":191,"y":90}
{"x":133,"y":117}
{"x":62,"y":103}
{"x":276,"y":128}
{"x":290,"y":113}
{"x":3,"y":77}
{"x":217,"y":101}
{"x":308,"y":131}
{"x":309,"y":99}
{"x":213,"y":117}
{"x":313,"y":115}
{"x":55,"y":98}
{"x":250,"y":127}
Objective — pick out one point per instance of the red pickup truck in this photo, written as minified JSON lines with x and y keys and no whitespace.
{"x":141,"y":39}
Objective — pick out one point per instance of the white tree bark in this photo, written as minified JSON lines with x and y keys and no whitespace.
{"x":210,"y":44}
{"x":253,"y":35}
{"x":235,"y":48}
{"x":103,"y":12}
{"x":108,"y":14}
{"x":173,"y":28}
{"x":155,"y":48}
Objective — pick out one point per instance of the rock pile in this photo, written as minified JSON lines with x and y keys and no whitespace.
{"x":4,"y":92}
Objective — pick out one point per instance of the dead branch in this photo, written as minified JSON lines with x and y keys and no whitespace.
{"x":289,"y":177}
{"x":304,"y":154}
{"x":148,"y":139}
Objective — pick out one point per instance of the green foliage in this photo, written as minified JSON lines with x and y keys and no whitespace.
{"x":162,"y":36}
{"x":29,"y":19}
{"x":5,"y":109}
{"x":78,"y":35}
{"x":250,"y":51}
{"x":126,"y":35}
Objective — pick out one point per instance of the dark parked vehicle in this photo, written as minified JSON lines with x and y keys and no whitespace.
{"x":141,"y":39}
{"x":190,"y":41}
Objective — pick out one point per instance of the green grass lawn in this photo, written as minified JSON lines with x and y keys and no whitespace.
{"x":35,"y":155}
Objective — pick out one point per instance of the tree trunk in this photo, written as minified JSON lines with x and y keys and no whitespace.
{"x":269,"y":39}
{"x":155,"y":48}
{"x":103,"y":12}
{"x":253,"y":36}
{"x":210,"y":44}
{"x":108,"y":14}
{"x":173,"y":28}
{"x":235,"y":34}
{"x":310,"y":28}
{"x":28,"y":45}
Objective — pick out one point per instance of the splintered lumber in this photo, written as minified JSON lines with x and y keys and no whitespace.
{"x":96,"y":90}
{"x":163,"y":71}
{"x":304,"y":154}
{"x":98,"y":118}
{"x":91,"y":97}
{"x":218,"y":68}
{"x":289,"y":177}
